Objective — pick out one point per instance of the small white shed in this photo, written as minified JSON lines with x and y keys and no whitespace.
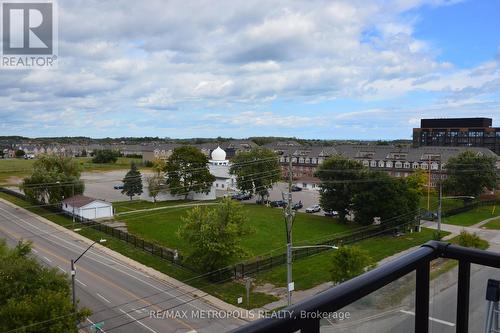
{"x":86,"y":207}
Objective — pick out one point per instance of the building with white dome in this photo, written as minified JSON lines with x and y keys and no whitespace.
{"x":219,"y":167}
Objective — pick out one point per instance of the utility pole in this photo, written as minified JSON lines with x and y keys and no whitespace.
{"x":429,"y":185}
{"x":73,"y":273}
{"x":289,"y":217}
{"x":440,"y":204}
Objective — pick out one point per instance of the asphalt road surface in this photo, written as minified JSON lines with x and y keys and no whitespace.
{"x":117,"y":293}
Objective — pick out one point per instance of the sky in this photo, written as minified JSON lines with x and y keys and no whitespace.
{"x":311,"y":69}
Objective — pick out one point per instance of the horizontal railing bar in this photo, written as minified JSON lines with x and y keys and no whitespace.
{"x":474,"y":256}
{"x":345,"y":293}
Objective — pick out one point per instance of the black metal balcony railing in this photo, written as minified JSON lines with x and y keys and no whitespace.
{"x":292,"y":319}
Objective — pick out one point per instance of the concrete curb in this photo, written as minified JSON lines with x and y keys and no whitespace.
{"x":199,"y":294}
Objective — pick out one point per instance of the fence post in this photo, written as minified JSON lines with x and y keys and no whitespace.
{"x":422,"y":298}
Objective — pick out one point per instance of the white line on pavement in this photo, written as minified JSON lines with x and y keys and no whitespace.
{"x":104,"y":298}
{"x":62,"y":270}
{"x":444,"y":322}
{"x":138,"y":322}
{"x":34,"y":251}
{"x":44,"y":257}
{"x":80,"y":282}
{"x":100,"y":329}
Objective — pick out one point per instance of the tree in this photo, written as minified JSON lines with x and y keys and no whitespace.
{"x":105,"y":156}
{"x":349,"y":262}
{"x":469,"y":173}
{"x":339,"y":178}
{"x":132,"y":183}
{"x":187,"y":171}
{"x":20,"y":153}
{"x":418,"y":181}
{"x":381,"y":195}
{"x":256,"y":171}
{"x":155,"y":184}
{"x":214,"y":234}
{"x":33,"y":293}
{"x":53,"y":179}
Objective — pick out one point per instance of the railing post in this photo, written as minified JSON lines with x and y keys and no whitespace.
{"x":422,"y":298}
{"x":311,"y":326}
{"x":463,"y":292}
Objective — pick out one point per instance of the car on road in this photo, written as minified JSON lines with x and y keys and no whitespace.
{"x":262,"y":202}
{"x":118,"y":187}
{"x":278,"y":203}
{"x":331,"y":213}
{"x":297,"y":205}
{"x":313,"y":209}
{"x":296,"y":188}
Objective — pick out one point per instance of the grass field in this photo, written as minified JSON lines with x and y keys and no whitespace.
{"x":494,"y":224}
{"x":21,"y":167}
{"x":314,"y":270}
{"x":227,"y":291}
{"x":473,"y":216}
{"x":447,"y":203}
{"x":267,"y":224}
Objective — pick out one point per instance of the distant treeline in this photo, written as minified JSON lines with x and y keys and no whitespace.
{"x":8,"y":141}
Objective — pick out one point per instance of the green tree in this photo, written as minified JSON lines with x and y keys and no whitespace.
{"x":381,"y":195}
{"x":187,"y":171}
{"x":469,"y":173}
{"x":214,"y":234}
{"x":339,"y":178}
{"x":349,"y":262}
{"x":32,"y":293}
{"x":155,"y":185}
{"x":256,"y":171}
{"x":418,"y":181}
{"x":105,"y":156}
{"x":132,"y":183}
{"x":53,"y":179}
{"x":20,"y":153}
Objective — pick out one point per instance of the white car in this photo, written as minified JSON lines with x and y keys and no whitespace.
{"x":313,"y":209}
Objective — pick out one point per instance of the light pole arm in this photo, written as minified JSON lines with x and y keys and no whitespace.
{"x":81,"y":255}
{"x":316,"y":246}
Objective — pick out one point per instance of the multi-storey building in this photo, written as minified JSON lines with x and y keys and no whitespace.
{"x":458,"y":132}
{"x":397,"y":161}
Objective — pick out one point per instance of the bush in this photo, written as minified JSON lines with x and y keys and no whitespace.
{"x":148,"y":164}
{"x":349,"y":262}
{"x":469,"y":240}
{"x":105,"y":156}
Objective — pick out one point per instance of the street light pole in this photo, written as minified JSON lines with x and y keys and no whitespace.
{"x":73,"y":270}
{"x":289,"y":217}
{"x":440,"y":204}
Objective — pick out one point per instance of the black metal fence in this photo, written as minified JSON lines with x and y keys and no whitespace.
{"x":296,"y":318}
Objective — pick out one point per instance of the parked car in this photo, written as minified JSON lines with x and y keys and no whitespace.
{"x":296,"y":188}
{"x":241,"y":196}
{"x":313,"y":209}
{"x":118,"y":187}
{"x":297,"y":205}
{"x":331,"y":213}
{"x":278,"y":203}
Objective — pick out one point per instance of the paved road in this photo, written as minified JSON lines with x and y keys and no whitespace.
{"x":116,"y":292}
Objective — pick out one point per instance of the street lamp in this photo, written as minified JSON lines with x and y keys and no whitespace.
{"x":73,"y":271}
{"x":441,"y":203}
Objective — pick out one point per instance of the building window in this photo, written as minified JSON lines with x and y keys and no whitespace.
{"x":388,"y":164}
{"x":373,"y":164}
{"x":222,"y":185}
{"x":398,"y":165}
{"x":415,"y":165}
{"x":381,"y":164}
{"x":407,"y":165}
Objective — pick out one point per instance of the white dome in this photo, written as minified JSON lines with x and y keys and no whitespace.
{"x":218,"y":154}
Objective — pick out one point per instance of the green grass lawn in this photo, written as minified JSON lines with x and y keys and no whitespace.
{"x":314,"y":270}
{"x":227,"y":291}
{"x":473,"y":216}
{"x":447,"y":203}
{"x":22,"y":168}
{"x":494,"y":224}
{"x":131,"y":205}
{"x":267,"y":224}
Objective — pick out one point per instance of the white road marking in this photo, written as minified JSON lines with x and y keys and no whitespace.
{"x":34,"y":251}
{"x":80,"y":282}
{"x":137,"y":321}
{"x":44,"y":257}
{"x":444,"y":322}
{"x":104,"y":298}
{"x":62,"y":270}
{"x":192,"y":331}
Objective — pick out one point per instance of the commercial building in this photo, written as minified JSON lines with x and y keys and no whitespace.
{"x":458,"y":132}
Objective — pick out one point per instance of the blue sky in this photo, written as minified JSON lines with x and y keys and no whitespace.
{"x":313,"y":69}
